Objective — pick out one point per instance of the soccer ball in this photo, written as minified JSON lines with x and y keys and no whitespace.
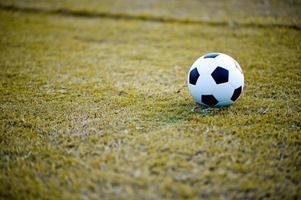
{"x":215,"y":80}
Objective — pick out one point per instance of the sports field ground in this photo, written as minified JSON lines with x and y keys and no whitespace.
{"x":94,"y":101}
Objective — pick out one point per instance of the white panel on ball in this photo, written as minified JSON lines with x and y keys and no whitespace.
{"x":204,"y":85}
{"x":236,"y":78}
{"x":204,"y":66}
{"x":223,"y":92}
{"x":194,"y":92}
{"x":225,"y":61}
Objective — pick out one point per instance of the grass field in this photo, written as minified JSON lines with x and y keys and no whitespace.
{"x":94,"y":102}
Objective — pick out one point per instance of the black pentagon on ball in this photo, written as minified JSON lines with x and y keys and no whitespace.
{"x":193,"y":76}
{"x":211,"y":55}
{"x":209,"y":100}
{"x":220,"y":75}
{"x":236,"y":93}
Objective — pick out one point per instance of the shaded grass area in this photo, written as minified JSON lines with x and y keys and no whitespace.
{"x":262,"y":12}
{"x":143,"y":17}
{"x":98,"y":108}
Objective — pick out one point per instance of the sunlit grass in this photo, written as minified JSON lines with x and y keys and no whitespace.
{"x":98,"y":108}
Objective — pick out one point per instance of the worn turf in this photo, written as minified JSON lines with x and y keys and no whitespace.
{"x":95,"y":106}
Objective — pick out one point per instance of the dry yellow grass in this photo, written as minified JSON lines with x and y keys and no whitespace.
{"x":97,"y":108}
